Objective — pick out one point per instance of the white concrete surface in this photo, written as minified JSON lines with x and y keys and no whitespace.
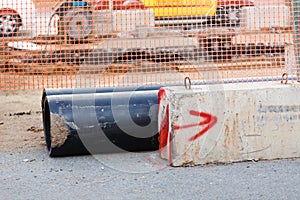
{"x":238,"y":122}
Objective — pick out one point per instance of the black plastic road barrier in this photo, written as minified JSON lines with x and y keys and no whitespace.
{"x":90,"y":123}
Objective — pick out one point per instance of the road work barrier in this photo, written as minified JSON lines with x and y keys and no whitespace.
{"x":229,"y":123}
{"x":103,"y":122}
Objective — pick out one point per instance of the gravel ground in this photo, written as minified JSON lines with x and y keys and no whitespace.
{"x":26,"y":171}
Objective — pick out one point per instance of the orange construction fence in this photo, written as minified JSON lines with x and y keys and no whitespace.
{"x":104,"y":43}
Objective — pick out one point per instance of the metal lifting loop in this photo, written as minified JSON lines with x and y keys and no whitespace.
{"x":285,"y":78}
{"x":187,"y":86}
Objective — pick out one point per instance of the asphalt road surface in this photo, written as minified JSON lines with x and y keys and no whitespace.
{"x":26,"y":175}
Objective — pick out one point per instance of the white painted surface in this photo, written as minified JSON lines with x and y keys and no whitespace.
{"x":254,"y":121}
{"x":140,"y":23}
{"x":264,"y":17}
{"x":21,"y":45}
{"x":103,"y":21}
{"x":46,"y":24}
{"x":290,"y":59}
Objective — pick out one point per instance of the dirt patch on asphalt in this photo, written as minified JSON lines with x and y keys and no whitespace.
{"x":21,"y":127}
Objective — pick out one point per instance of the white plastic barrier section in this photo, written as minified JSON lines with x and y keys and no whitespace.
{"x":265,"y":17}
{"x":229,"y":123}
{"x":139,"y":23}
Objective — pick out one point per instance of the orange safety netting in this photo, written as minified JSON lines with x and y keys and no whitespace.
{"x":103,"y":43}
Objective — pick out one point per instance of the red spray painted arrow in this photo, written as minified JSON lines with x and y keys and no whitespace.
{"x":209,"y":120}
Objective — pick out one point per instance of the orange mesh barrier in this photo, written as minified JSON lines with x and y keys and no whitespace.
{"x":103,"y":43}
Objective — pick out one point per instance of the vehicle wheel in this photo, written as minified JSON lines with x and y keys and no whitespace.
{"x":232,"y":16}
{"x":9,"y":24}
{"x":75,"y":22}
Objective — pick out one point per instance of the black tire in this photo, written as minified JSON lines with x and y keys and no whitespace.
{"x":9,"y":24}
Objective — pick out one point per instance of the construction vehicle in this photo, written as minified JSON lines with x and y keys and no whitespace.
{"x":87,"y":24}
{"x":76,"y":17}
{"x":183,"y":12}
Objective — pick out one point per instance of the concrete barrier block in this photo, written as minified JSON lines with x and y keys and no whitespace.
{"x":229,"y":123}
{"x":265,"y":16}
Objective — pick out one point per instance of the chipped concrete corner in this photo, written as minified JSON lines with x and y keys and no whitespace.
{"x":237,"y":123}
{"x":59,"y":130}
